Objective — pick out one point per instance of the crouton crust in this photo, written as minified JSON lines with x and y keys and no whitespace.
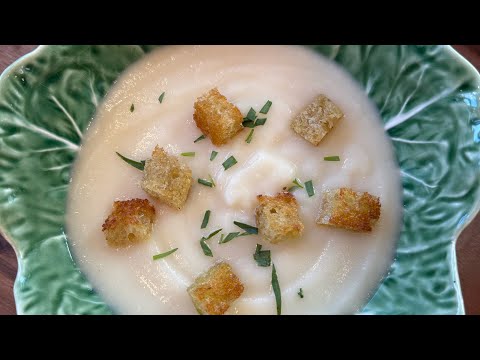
{"x":216,"y":117}
{"x":316,"y":119}
{"x":277,"y":217}
{"x":130,"y":222}
{"x":349,"y":209}
{"x":167,"y":179}
{"x":213,"y":292}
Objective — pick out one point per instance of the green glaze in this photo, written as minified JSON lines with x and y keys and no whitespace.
{"x":428,"y":99}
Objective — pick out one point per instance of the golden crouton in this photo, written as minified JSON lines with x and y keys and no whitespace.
{"x":129,"y":223}
{"x":216,"y":117}
{"x":316,"y":119}
{"x":349,"y":209}
{"x":277,"y":217}
{"x":167,"y":179}
{"x":213,"y":292}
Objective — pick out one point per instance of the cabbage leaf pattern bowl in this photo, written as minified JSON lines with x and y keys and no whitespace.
{"x":428,"y":98}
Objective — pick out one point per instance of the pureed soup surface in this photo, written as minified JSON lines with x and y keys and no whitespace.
{"x":338,"y":270}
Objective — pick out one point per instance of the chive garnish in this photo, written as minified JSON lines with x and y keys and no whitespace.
{"x":201,"y":137}
{"x":300,"y":293}
{"x":191,"y":154}
{"x":205,"y":182}
{"x":297,"y":184}
{"x":276,"y":290}
{"x":227,"y":164}
{"x":140,"y":165}
{"x":205,"y":248}
{"x":266,"y":107}
{"x":251,"y":114}
{"x":160,"y":99}
{"x":260,"y":122}
{"x":250,"y":136}
{"x":162,"y":255}
{"x":309,"y":188}
{"x":213,"y":234}
{"x":211,"y":180}
{"x":213,"y":155}
{"x":248,"y":228}
{"x":132,"y":107}
{"x":229,"y":237}
{"x":331,"y":158}
{"x":248,"y":123}
{"x":262,"y":257}
{"x":251,"y":124}
{"x":206,"y":217}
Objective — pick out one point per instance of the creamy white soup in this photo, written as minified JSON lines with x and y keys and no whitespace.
{"x":338,"y":270}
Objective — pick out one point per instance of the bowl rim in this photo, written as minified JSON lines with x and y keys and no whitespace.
{"x":475,"y":211}
{"x":454,"y":263}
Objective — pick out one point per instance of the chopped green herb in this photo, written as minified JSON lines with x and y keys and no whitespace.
{"x":140,"y":165}
{"x":300,"y":293}
{"x":162,"y":255}
{"x":204,"y":245}
{"x":206,"y":217}
{"x":250,"y":136}
{"x":213,"y":234}
{"x":297,"y":185}
{"x":132,"y":107}
{"x":266,"y":107}
{"x":251,"y":114}
{"x":190,"y":154}
{"x":160,"y":99}
{"x":201,"y":137}
{"x":205,"y":248}
{"x":331,"y":158}
{"x":211,"y":180}
{"x":227,"y":164}
{"x":213,"y":155}
{"x":205,"y":182}
{"x":251,"y":123}
{"x":276,"y":290}
{"x":262,"y":257}
{"x":248,"y":228}
{"x":309,"y":188}
{"x":248,"y":123}
{"x":298,"y":182}
{"x":229,"y":237}
{"x":260,"y":122}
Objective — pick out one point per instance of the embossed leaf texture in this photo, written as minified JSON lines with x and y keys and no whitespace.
{"x":428,"y":99}
{"x":47,"y":100}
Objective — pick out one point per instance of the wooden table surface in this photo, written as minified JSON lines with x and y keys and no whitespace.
{"x":468,"y":245}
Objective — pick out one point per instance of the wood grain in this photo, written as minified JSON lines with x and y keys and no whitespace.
{"x":468,"y":245}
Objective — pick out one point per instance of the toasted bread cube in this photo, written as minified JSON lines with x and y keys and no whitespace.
{"x":216,"y":117}
{"x":277,"y":217}
{"x":316,"y":119}
{"x":130,"y":222}
{"x":348,"y":209}
{"x":213,"y":292}
{"x":167,"y":179}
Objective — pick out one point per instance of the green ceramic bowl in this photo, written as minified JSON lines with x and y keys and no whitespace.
{"x":428,"y":97}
